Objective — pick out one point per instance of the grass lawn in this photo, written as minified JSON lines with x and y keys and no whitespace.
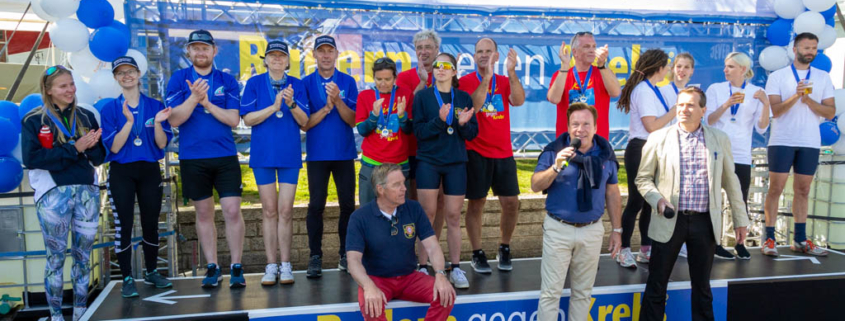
{"x":524,"y":169}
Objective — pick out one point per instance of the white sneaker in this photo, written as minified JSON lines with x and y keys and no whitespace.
{"x":78,"y":312}
{"x":271,"y":271}
{"x":626,"y":258}
{"x":683,"y":252}
{"x":644,"y":257}
{"x":286,"y":274}
{"x":423,"y":270}
{"x":458,"y":278}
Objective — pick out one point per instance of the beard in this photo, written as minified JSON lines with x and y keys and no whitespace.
{"x":806,"y":59}
{"x":203,"y":64}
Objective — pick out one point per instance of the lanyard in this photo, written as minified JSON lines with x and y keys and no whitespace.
{"x":490,"y":91}
{"x":382,"y":118}
{"x":61,"y":126}
{"x":795,"y":73}
{"x":659,"y":95}
{"x":272,"y":90}
{"x":676,"y":87}
{"x":735,"y":107}
{"x":451,"y":106}
{"x":582,"y":87}
{"x":139,"y":121}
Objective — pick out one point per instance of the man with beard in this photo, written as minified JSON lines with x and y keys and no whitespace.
{"x":491,"y":163}
{"x":800,"y":96}
{"x":206,"y":104}
{"x":330,"y":146}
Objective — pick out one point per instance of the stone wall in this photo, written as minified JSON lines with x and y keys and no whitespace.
{"x":527,"y":240}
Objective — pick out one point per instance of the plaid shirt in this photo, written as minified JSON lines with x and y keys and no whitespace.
{"x":695,"y":188}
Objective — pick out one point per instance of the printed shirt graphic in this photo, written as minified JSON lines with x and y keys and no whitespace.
{"x":494,"y":127}
{"x":394,"y":147}
{"x":602,"y":99}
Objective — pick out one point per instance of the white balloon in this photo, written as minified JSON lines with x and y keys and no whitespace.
{"x":827,"y":38}
{"x":839,"y":100}
{"x":84,"y":63}
{"x":17,"y":153}
{"x":773,"y":58}
{"x":140,"y":59}
{"x":810,"y":21}
{"x":789,"y":51}
{"x":788,"y":9}
{"x":93,"y":110}
{"x":118,"y":9}
{"x":69,"y":35}
{"x":60,"y":8}
{"x":36,"y":8}
{"x":84,"y":93}
{"x":819,"y":5}
{"x":104,"y":85}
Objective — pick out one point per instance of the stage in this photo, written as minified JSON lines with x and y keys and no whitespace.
{"x":740,"y":288}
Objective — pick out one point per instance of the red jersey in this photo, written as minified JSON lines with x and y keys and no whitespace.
{"x":409,"y":80}
{"x":494,"y":127}
{"x":394,"y":147}
{"x":602,"y":100}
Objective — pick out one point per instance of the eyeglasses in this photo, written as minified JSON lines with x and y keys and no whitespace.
{"x":130,"y":72}
{"x":394,"y":230}
{"x":444,"y":65}
{"x":52,"y":70}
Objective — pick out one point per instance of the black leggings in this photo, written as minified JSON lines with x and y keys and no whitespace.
{"x":343,"y":173}
{"x":743,"y":172}
{"x":125,"y":182}
{"x":636,"y":202}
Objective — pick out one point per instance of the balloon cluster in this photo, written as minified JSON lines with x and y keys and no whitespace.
{"x":11,"y":172}
{"x":796,"y":17}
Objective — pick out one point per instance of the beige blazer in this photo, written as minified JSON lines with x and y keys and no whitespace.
{"x":659,"y":177}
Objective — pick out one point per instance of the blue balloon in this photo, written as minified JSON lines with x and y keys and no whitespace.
{"x":9,"y":111}
{"x":8,"y":136}
{"x":779,"y":31}
{"x":829,"y":13}
{"x":830,"y":22}
{"x":829,"y":131}
{"x":108,"y":44}
{"x":822,"y":62}
{"x":122,"y":28}
{"x":29,"y":103}
{"x":11,"y":174}
{"x":102,"y":103}
{"x":95,"y":13}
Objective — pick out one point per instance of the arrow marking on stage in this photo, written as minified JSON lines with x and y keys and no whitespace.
{"x":162,"y":297}
{"x":798,"y":258}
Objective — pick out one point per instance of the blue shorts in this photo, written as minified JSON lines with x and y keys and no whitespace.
{"x":267,"y":175}
{"x":802,"y":160}
{"x":454,"y":177}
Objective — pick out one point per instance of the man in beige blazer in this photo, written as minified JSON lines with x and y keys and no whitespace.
{"x":684,"y":168}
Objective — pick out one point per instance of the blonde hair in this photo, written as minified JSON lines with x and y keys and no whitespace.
{"x":742,"y":60}
{"x":49,"y":107}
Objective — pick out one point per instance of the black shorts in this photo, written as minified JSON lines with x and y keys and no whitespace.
{"x":453,"y":177}
{"x":484,"y":173}
{"x":412,"y":162}
{"x":199,"y":176}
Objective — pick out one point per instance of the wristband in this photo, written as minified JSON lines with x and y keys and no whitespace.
{"x":440,"y":272}
{"x":618,"y":230}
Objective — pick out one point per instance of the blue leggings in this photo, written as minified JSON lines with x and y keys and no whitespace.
{"x":57,"y":209}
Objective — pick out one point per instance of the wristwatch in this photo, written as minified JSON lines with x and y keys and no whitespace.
{"x":440,"y":272}
{"x":555,"y":168}
{"x":618,"y":230}
{"x":603,"y":66}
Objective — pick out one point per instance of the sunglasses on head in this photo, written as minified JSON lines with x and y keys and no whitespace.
{"x":444,"y":65}
{"x":52,"y":70}
{"x":582,"y":33}
{"x":394,"y":230}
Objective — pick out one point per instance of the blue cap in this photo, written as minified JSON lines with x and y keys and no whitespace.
{"x":276,"y":45}
{"x":324,"y":40}
{"x":125,"y":60}
{"x":201,"y":36}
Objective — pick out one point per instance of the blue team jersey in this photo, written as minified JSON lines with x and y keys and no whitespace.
{"x":202,"y":135}
{"x":275,"y":141}
{"x":332,"y":138}
{"x":143,"y":128}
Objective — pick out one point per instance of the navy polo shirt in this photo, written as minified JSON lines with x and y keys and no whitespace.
{"x":275,"y":141}
{"x":332,"y":138}
{"x":202,"y":135}
{"x":561,"y":200}
{"x":388,"y":255}
{"x":113,"y":121}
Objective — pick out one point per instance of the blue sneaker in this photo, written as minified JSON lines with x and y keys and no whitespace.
{"x":212,"y":276}
{"x":128,"y":290}
{"x":237,"y":279}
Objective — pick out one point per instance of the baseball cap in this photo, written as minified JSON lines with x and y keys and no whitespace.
{"x":125,"y":60}
{"x":276,"y":45}
{"x":201,"y":36}
{"x":325,"y":40}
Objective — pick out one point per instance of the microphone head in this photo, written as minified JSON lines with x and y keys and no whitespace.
{"x":575,"y":143}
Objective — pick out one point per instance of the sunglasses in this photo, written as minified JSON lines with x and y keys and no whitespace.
{"x":384,"y":60}
{"x":394,"y":230}
{"x":444,"y":65}
{"x":582,"y":33}
{"x":52,"y":70}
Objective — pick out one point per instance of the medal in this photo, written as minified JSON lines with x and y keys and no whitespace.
{"x":71,"y":142}
{"x":385,"y":133}
{"x":384,"y":117}
{"x":583,"y":99}
{"x":582,"y":87}
{"x":734,"y":107}
{"x":70,"y":134}
{"x":488,"y":100}
{"x":138,"y":141}
{"x":279,"y":114}
{"x":206,"y":111}
{"x":450,"y":130}
{"x":452,"y":110}
{"x":658,"y":94}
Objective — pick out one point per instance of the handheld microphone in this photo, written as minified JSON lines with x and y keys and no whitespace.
{"x":576,"y":143}
{"x":668,"y":212}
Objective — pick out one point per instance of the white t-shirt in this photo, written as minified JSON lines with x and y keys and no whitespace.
{"x":747,"y":117}
{"x":669,"y":94}
{"x":644,"y":102}
{"x":799,"y":126}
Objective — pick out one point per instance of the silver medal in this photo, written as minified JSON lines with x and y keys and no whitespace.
{"x":279,"y":114}
{"x":450,"y":130}
{"x":385,"y":133}
{"x":138,"y":141}
{"x":206,"y":111}
{"x":583,"y":99}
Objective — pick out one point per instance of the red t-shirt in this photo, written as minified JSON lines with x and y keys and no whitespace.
{"x":601,"y":97}
{"x":393,"y":148}
{"x":409,"y":80}
{"x":494,"y":128}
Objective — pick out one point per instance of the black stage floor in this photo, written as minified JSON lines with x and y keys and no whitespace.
{"x":187,"y":300}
